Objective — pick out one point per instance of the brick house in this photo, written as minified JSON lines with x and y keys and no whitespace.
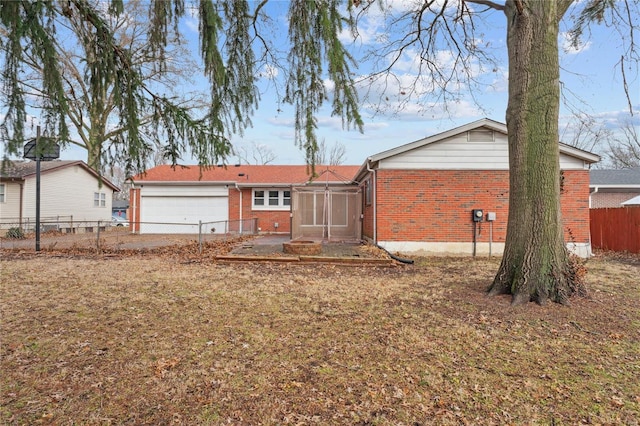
{"x":613,"y":187}
{"x":169,"y":199}
{"x":419,"y":197}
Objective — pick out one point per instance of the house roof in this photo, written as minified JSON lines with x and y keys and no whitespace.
{"x":482,"y":123}
{"x":619,"y":178}
{"x":247,"y":175}
{"x":21,"y":170}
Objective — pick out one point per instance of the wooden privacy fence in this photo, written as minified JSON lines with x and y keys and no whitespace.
{"x":616,"y":229}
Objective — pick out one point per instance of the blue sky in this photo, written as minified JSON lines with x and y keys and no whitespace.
{"x":591,"y":82}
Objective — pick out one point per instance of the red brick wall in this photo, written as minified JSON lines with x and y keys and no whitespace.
{"x":266,"y":219}
{"x":367,"y":211}
{"x":435,"y":205}
{"x":575,"y":206}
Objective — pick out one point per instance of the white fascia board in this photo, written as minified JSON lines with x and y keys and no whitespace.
{"x":589,"y":157}
{"x":263,"y":185}
{"x":180,"y":183}
{"x":614,"y":186}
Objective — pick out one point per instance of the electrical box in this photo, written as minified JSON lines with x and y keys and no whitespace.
{"x":477,"y":215}
{"x":491,"y":216}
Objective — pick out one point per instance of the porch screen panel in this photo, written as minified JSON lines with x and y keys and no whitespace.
{"x":345,"y":215}
{"x":305,"y":209}
{"x":325,"y":214}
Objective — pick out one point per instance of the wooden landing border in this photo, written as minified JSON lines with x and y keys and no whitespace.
{"x":355,"y":261}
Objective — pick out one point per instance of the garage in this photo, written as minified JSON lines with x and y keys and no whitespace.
{"x":180,"y":209}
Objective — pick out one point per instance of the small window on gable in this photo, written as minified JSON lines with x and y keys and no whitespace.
{"x":480,"y":135}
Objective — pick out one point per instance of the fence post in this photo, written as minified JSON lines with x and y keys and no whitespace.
{"x":200,"y":236}
{"x":98,"y":240}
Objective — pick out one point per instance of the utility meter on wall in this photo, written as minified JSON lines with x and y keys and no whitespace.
{"x":477,"y":215}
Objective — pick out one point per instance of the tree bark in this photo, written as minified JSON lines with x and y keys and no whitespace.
{"x":535,"y":265}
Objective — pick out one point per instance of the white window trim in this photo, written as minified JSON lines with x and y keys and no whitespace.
{"x":99,"y":199}
{"x":280,"y":207}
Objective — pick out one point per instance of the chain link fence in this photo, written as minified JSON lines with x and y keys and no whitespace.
{"x":69,"y":234}
{"x":48,"y":223}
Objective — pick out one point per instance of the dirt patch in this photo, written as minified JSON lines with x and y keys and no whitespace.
{"x":118,"y":241}
{"x":159,"y":339}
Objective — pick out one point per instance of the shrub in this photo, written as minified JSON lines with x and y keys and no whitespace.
{"x":15,"y":233}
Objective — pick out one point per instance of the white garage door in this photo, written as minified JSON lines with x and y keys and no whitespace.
{"x":181,"y":215}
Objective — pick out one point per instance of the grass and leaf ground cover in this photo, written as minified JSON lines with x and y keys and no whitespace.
{"x":154,"y":339}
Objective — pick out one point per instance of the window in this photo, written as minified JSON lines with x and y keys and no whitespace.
{"x":258,"y":198}
{"x":99,"y":199}
{"x":2,"y":189}
{"x":272,"y":199}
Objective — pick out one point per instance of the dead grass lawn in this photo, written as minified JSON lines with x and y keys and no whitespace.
{"x":157,"y":340}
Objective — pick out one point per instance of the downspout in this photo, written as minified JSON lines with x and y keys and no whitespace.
{"x":594,"y":191}
{"x":240,"y":215}
{"x":373,"y":195}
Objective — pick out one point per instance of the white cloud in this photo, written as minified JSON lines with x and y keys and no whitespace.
{"x":268,"y":72}
{"x":281,"y":122}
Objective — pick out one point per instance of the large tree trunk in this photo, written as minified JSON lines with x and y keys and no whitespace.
{"x":536,"y":264}
{"x":94,"y":151}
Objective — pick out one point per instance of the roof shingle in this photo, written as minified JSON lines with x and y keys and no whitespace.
{"x":246,"y":175}
{"x":615,"y":176}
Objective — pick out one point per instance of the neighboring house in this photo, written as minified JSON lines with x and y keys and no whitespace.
{"x":418,"y":197}
{"x":72,"y":195}
{"x":169,"y":199}
{"x":613,"y":187}
{"x":635,"y":201}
